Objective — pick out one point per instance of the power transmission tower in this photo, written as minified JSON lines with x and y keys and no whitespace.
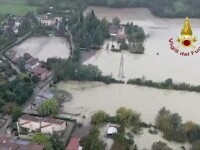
{"x":121,"y":67}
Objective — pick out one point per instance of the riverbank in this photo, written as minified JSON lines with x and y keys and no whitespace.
{"x":167,"y":84}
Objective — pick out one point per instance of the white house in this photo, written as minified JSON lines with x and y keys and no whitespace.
{"x":48,"y":20}
{"x":46,"y":124}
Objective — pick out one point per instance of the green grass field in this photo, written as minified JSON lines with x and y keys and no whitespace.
{"x":16,"y":7}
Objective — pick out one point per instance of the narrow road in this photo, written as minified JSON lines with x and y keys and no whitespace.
{"x":3,"y":129}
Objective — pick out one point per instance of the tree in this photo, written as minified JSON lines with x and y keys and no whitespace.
{"x":49,"y":107}
{"x":57,"y":143}
{"x":171,"y":125}
{"x":160,"y":146}
{"x":192,"y":130}
{"x":16,"y":112}
{"x":21,"y":64}
{"x":196,"y":145}
{"x":124,"y":115}
{"x":7,"y":108}
{"x":99,"y":117}
{"x":127,"y":117}
{"x":25,"y":26}
{"x":116,"y":21}
{"x":92,"y":142}
{"x":41,"y":138}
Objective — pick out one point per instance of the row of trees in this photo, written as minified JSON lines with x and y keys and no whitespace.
{"x":72,"y":70}
{"x":173,"y":128}
{"x":125,"y":117}
{"x":167,"y":84}
{"x":136,"y":37}
{"x":88,"y":31}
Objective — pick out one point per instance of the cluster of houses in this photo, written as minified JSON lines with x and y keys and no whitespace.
{"x":118,"y":32}
{"x":12,"y":23}
{"x":49,"y":125}
{"x":49,"y":20}
{"x":31,"y":65}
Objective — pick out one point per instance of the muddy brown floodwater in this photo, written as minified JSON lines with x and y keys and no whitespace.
{"x":167,"y":64}
{"x":44,"y":47}
{"x":89,"y":97}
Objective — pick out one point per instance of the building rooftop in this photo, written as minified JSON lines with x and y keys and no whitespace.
{"x":73,"y":144}
{"x":50,"y":120}
{"x":30,"y":118}
{"x":32,"y":61}
{"x":113,"y":29}
{"x":38,"y":70}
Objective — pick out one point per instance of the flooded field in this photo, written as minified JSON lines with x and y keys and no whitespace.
{"x":89,"y":97}
{"x":44,"y":47}
{"x":150,"y":139}
{"x":167,"y":64}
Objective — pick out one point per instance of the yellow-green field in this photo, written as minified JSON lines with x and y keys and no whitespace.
{"x":16,"y":7}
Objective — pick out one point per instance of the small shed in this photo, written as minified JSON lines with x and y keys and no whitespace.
{"x":111,"y":130}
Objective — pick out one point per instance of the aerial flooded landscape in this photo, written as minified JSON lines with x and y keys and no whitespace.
{"x":99,"y":75}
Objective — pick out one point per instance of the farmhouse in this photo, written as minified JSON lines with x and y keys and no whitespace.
{"x":46,"y":124}
{"x":41,"y":73}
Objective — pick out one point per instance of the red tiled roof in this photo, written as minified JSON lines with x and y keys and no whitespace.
{"x":73,"y":144}
{"x":39,"y":70}
{"x":45,"y":119}
{"x":52,"y":120}
{"x":46,"y":126}
{"x":30,"y":118}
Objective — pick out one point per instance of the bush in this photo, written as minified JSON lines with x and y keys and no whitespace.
{"x":99,"y":117}
{"x":49,"y":107}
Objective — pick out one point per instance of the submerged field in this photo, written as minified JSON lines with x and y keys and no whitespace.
{"x":44,"y":47}
{"x":167,"y":64}
{"x":16,"y":7}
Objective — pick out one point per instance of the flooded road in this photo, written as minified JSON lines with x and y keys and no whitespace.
{"x":167,"y":64}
